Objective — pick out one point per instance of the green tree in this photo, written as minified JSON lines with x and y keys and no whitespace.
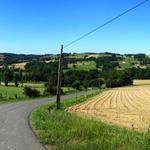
{"x":21,"y":77}
{"x":76,"y":85}
{"x":7,"y":75}
{"x":16,"y":79}
{"x":0,"y":78}
{"x":51,"y":88}
{"x":101,"y":81}
{"x":86,"y":85}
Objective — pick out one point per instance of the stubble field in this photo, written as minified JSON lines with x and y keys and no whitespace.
{"x":126,"y":106}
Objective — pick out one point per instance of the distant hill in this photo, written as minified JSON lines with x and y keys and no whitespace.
{"x":10,"y":58}
{"x":79,"y":61}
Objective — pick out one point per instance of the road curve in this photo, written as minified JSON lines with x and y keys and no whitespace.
{"x":15,"y":133}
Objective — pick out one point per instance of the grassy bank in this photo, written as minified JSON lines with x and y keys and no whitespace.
{"x":60,"y":130}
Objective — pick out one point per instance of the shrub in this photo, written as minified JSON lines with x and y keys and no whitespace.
{"x":31,"y":92}
{"x":76,"y":85}
{"x":50,"y":89}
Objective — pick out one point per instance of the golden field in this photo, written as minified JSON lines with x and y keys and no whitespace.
{"x":125,"y":106}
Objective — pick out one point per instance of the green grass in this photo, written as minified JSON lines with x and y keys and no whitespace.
{"x":125,"y":65}
{"x":62,"y":130}
{"x":87,"y":65}
{"x":9,"y":93}
{"x":12,"y":93}
{"x":68,"y":90}
{"x":128,"y":62}
{"x":34,"y":85}
{"x":77,"y":56}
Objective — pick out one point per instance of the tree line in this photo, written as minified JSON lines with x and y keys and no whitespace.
{"x":47,"y":72}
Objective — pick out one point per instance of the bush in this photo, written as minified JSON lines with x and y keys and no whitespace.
{"x":97,"y":82}
{"x":51,"y":89}
{"x":76,"y":85}
{"x":31,"y":92}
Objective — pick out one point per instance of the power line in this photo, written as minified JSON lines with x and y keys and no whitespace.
{"x":106,"y":23}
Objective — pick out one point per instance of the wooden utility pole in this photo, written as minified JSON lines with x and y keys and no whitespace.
{"x":59,"y":78}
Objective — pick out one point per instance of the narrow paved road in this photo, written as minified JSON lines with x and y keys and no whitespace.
{"x":15,"y":133}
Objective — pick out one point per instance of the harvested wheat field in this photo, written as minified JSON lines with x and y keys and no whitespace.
{"x":127,"y":106}
{"x":141,"y":82}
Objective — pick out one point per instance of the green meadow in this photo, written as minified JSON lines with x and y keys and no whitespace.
{"x":87,"y":65}
{"x":12,"y":93}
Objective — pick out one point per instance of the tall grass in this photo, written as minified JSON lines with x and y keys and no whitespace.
{"x":64,"y":131}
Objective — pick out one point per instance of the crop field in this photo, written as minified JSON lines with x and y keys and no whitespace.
{"x":127,"y":106}
{"x":141,"y":82}
{"x":19,"y":65}
{"x":61,"y":130}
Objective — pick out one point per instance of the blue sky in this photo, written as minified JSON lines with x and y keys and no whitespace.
{"x":41,"y":26}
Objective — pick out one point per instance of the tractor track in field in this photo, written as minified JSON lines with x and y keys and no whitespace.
{"x":126,"y":106}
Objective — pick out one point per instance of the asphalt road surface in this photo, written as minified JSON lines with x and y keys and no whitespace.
{"x":15,"y":133}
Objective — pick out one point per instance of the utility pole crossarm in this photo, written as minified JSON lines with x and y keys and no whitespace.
{"x":59,"y":78}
